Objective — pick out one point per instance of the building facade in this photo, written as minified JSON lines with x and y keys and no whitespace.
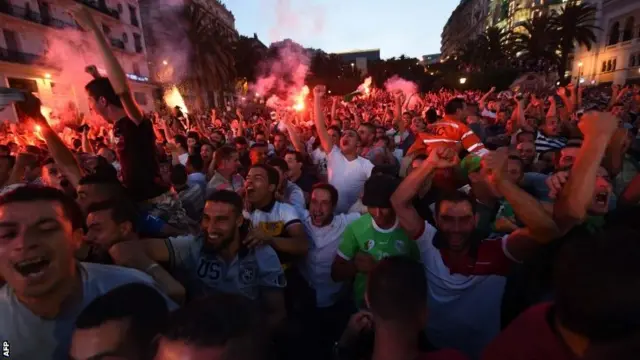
{"x":466,"y":22}
{"x":29,"y":29}
{"x":168,"y":46}
{"x":510,"y":14}
{"x":360,"y":58}
{"x":431,"y":59}
{"x":615,"y":57}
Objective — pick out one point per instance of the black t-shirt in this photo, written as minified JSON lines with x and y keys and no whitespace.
{"x":306,"y":181}
{"x":135,"y":146}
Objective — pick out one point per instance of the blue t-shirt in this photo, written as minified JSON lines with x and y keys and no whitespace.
{"x":32,"y":337}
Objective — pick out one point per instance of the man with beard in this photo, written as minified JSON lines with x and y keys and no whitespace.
{"x":346,"y":170}
{"x":215,"y":261}
{"x":466,"y":293}
{"x":46,"y":288}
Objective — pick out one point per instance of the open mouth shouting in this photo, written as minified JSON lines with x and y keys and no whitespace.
{"x":33,"y":268}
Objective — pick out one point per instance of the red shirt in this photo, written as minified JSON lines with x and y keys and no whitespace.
{"x":490,"y":260}
{"x":529,"y":337}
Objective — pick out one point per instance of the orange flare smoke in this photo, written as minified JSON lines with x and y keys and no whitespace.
{"x":173,"y":98}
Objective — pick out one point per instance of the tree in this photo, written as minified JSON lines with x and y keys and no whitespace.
{"x":496,"y":41}
{"x":574,"y":25}
{"x":537,"y":42}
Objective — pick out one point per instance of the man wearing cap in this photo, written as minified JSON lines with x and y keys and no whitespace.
{"x":371,"y":238}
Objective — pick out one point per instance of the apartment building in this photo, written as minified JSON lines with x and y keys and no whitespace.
{"x":465,"y":23}
{"x":615,"y":57}
{"x":30,"y":28}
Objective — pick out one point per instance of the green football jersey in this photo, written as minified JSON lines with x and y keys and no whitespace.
{"x":363,"y":235}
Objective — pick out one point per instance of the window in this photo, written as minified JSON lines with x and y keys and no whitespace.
{"x":604,"y":66}
{"x":133,"y":15}
{"x":614,"y":34}
{"x":632,"y":61}
{"x":119,"y":7}
{"x":125,"y":37}
{"x":613,"y":68}
{"x":627,"y":34}
{"x":141,"y":98}
{"x":609,"y":65}
{"x":23,"y":84}
{"x":137,"y":40}
{"x":136,"y":68}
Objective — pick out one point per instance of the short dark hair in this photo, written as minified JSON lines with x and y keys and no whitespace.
{"x":298,"y":155}
{"x":523,"y":133}
{"x":228,"y":197}
{"x":122,"y":210}
{"x":196,"y":162}
{"x":258,"y":145}
{"x":178,"y":174}
{"x":397,"y":289}
{"x":221,"y":320}
{"x":597,"y":284}
{"x":455,"y":104}
{"x":193,"y":135}
{"x":223,"y":153}
{"x":454,"y":197}
{"x":241,"y":140}
{"x":331,"y":189}
{"x":272,"y":174}
{"x":107,"y":179}
{"x":10,"y":159}
{"x":369,"y":126}
{"x":280,"y":163}
{"x":180,"y":140}
{"x":378,"y":190}
{"x":336,"y":129}
{"x":101,"y":87}
{"x":32,"y":193}
{"x":142,"y":305}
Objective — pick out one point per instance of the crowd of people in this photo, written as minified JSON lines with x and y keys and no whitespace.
{"x":447,"y":225}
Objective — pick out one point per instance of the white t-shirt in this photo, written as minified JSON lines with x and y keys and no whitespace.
{"x":324,"y":246}
{"x":319,"y":159}
{"x":348,"y":177}
{"x":464,"y":311}
{"x":183,"y":158}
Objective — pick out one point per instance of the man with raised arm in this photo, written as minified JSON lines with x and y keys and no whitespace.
{"x":346,"y":170}
{"x":462,"y":267}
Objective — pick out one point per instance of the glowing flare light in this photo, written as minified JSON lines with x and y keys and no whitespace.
{"x":173,"y":98}
{"x":300,"y":99}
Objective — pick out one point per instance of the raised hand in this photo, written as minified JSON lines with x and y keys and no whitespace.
{"x":561,"y":92}
{"x":596,"y":124}
{"x":496,"y":164}
{"x":555,"y":182}
{"x":82,"y":15}
{"x":319,"y":91}
{"x":443,"y":157}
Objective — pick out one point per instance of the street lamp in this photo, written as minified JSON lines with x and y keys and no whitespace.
{"x":463,"y":80}
{"x":47,"y":76}
{"x":579,"y":79}
{"x":165,"y":62}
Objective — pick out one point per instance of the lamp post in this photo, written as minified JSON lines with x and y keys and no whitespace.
{"x":580,"y":64}
{"x":463,"y":80}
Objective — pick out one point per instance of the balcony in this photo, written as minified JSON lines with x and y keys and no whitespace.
{"x":18,"y":57}
{"x":32,"y":16}
{"x":101,"y":6}
{"x":117,"y":43}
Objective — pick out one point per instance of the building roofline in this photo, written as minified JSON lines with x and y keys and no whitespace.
{"x":355,"y":51}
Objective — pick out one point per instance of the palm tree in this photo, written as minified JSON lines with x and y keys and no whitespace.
{"x":210,"y":61}
{"x":496,"y":41}
{"x":536,"y":42}
{"x":574,"y":25}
